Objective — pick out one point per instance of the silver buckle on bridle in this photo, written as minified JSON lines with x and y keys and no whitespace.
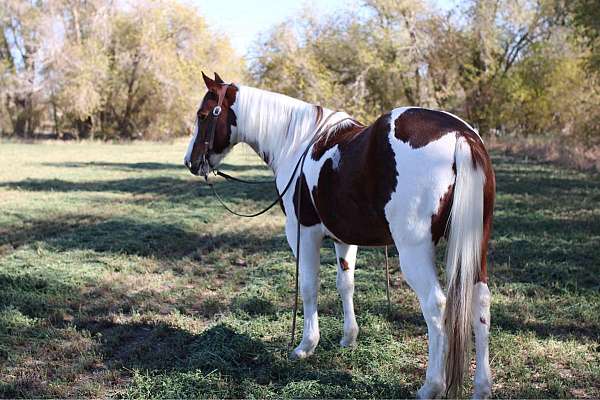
{"x":203,"y":163}
{"x":217,"y":111}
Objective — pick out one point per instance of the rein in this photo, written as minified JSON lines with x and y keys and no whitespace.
{"x":319,"y":132}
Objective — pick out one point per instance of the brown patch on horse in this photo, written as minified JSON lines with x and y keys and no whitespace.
{"x":307,"y":216}
{"x":439,"y":220}
{"x":419,"y":126}
{"x":341,"y":135}
{"x":351,"y":196}
{"x":344,"y":264}
{"x":319,"y":115}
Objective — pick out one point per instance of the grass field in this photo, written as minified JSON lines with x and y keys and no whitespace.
{"x":120,"y":276}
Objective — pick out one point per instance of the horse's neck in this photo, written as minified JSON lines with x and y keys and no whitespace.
{"x":277,"y":127}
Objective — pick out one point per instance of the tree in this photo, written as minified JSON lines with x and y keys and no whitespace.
{"x":348,"y":60}
{"x":585,"y":17}
{"x":501,"y":33}
{"x":113,"y":70}
{"x":21,"y":26}
{"x":137,"y":73}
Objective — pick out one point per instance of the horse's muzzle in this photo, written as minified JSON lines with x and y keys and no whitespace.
{"x":194,"y":167}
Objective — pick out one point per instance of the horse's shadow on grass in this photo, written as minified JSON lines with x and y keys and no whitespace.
{"x":158,"y":348}
{"x":148,"y":189}
{"x":147,"y":166}
{"x":141,"y":166}
{"x":132,"y":237}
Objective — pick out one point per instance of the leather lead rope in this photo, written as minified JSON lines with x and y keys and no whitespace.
{"x":299,"y":165}
{"x":297,"y":273}
{"x":317,"y":135}
{"x":298,"y":204}
{"x":387,"y":283}
{"x":233,"y":178}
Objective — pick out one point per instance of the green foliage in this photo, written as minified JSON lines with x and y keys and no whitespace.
{"x":20,"y":21}
{"x":585,"y":16}
{"x":522,"y":67}
{"x":506,"y":66}
{"x":116,"y":72}
{"x":158,"y":50}
{"x":345,"y":61}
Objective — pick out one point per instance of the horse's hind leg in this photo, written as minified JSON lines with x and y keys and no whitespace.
{"x":481,"y":326}
{"x":346,"y":260}
{"x":419,"y":272}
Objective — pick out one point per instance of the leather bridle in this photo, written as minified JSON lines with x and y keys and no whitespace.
{"x":207,"y":126}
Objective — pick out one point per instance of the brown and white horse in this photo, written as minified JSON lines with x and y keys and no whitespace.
{"x":408,"y":179}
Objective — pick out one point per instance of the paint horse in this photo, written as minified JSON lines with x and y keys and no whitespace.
{"x":408,"y":179}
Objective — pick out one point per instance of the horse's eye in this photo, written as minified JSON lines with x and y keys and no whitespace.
{"x":202,"y":116}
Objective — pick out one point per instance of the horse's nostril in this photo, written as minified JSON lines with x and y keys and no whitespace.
{"x":194,"y":167}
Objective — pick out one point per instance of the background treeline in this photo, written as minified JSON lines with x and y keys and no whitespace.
{"x":524,"y":66}
{"x":107,"y":69}
{"x":103,"y":68}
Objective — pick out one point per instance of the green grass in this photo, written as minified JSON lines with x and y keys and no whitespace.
{"x":120,"y":276}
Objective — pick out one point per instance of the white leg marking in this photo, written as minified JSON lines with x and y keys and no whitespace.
{"x":346,"y":261}
{"x":418,"y":268}
{"x":481,"y":326}
{"x":310,"y":244}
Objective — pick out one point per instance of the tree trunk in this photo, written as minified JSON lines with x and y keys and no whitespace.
{"x":84,"y":127}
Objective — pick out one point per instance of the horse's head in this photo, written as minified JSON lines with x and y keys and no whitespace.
{"x":214,"y":120}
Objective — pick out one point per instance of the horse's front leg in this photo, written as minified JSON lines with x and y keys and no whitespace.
{"x":310,"y":244}
{"x":346,"y":260}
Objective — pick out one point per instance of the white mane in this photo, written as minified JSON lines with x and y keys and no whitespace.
{"x":274,"y":124}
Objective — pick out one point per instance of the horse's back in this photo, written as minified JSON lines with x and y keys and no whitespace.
{"x":397,"y":172}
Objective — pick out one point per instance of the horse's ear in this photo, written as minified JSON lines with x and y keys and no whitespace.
{"x":210,"y":84}
{"x":218,"y":78}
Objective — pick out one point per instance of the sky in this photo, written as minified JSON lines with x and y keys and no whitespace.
{"x":245,"y":20}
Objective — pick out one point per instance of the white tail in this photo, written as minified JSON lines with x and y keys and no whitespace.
{"x":463,"y":261}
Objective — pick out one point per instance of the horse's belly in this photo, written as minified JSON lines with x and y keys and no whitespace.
{"x":351,"y":202}
{"x":350,"y":222}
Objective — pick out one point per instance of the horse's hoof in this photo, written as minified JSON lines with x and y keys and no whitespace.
{"x":482,"y":392}
{"x":300,"y":354}
{"x":348,"y":343}
{"x":482,"y":386}
{"x":349,"y":337}
{"x":430,"y":391}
